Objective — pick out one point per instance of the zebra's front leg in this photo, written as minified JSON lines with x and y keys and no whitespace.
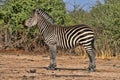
{"x":52,"y":51}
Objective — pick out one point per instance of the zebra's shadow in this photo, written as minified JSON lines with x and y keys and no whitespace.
{"x":73,"y":69}
{"x":69,"y":75}
{"x":62,"y":68}
{"x":64,"y":75}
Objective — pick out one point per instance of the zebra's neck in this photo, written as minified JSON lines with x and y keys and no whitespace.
{"x":43,"y":25}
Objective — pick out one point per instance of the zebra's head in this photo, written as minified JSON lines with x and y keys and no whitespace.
{"x":37,"y":13}
{"x":33,"y":19}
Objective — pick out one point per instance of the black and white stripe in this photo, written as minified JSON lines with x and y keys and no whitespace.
{"x":67,"y":38}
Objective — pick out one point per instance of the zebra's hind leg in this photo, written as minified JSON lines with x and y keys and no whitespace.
{"x":52,"y":51}
{"x":91,"y":55}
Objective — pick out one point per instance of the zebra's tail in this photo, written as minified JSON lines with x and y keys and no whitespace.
{"x":93,"y":46}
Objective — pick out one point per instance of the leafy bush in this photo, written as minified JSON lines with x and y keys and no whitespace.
{"x":14,"y":12}
{"x":106,"y":18}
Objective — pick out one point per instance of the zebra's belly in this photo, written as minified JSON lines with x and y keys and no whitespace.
{"x":65,"y":44}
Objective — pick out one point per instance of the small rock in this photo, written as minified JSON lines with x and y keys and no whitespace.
{"x":30,"y":60}
{"x":114,"y":65}
{"x":32,"y":71}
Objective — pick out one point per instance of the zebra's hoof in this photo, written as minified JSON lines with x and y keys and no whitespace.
{"x":52,"y":67}
{"x":92,"y":69}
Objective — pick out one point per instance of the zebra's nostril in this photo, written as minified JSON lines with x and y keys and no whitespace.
{"x":24,"y":24}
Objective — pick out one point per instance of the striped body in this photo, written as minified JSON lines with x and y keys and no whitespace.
{"x":70,"y":37}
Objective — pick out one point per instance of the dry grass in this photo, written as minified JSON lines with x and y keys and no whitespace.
{"x":102,"y":54}
{"x":78,"y":51}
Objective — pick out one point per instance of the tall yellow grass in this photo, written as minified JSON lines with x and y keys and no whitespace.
{"x":102,"y":54}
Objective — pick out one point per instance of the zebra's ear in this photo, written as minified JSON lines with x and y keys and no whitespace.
{"x":42,"y":10}
{"x":37,"y":11}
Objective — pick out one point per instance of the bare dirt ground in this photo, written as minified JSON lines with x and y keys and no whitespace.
{"x":32,"y":67}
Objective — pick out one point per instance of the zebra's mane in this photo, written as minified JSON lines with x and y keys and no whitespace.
{"x":45,"y":15}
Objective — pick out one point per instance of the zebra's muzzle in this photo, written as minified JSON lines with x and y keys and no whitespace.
{"x":24,"y":24}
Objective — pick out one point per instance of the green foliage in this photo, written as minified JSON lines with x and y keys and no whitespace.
{"x":107,"y":18}
{"x":56,"y":8}
{"x":76,"y":17}
{"x":14,"y":12}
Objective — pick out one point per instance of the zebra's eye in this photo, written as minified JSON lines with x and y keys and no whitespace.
{"x":37,"y":12}
{"x":30,"y":17}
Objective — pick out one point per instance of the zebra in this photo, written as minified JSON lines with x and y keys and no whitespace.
{"x":64,"y":37}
